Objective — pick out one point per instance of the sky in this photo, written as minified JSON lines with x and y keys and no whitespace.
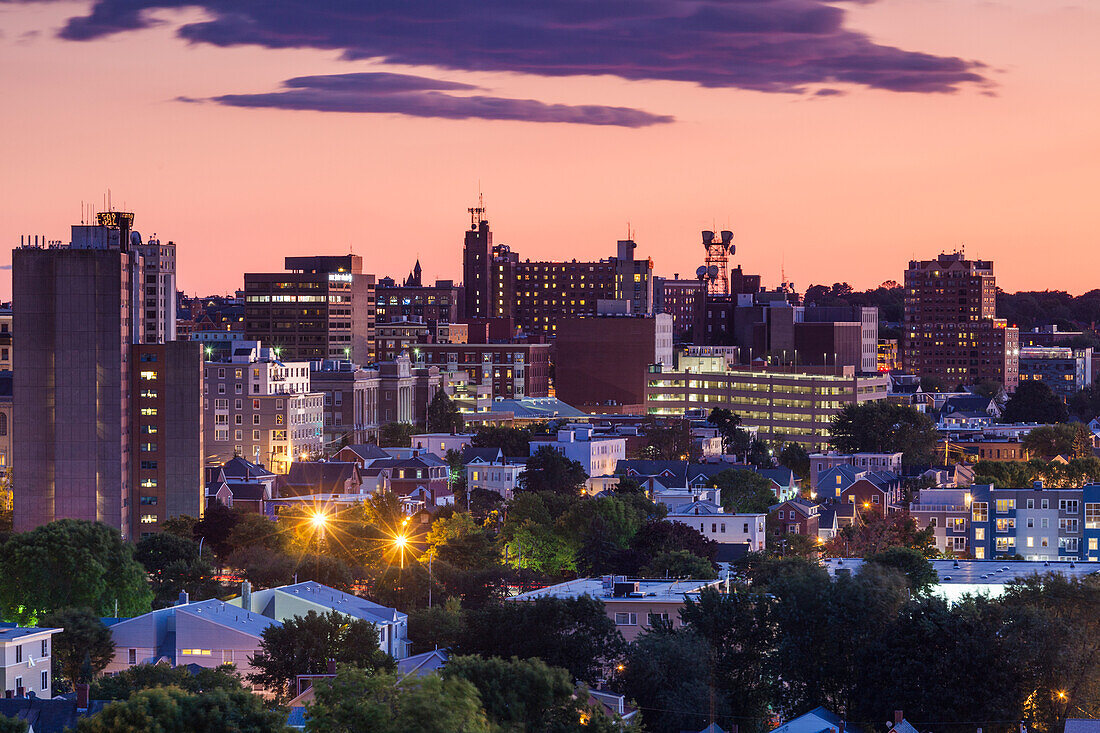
{"x":837,"y":140}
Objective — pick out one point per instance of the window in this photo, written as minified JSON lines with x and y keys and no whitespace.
{"x":655,"y":617}
{"x":45,"y":680}
{"x":45,"y":648}
{"x":1046,"y":503}
{"x":1005,"y":505}
{"x":148,"y":376}
{"x":1030,"y":522}
{"x":932,"y":522}
{"x":980,"y":511}
{"x":148,"y":501}
{"x":979,"y":534}
{"x":148,"y":518}
{"x":626,"y":619}
{"x":196,"y":652}
{"x":1044,"y":522}
{"x":1030,"y":541}
{"x":1093,"y":543}
{"x":1092,"y":516}
{"x":1069,"y":544}
{"x":18,"y":653}
{"x":18,"y":682}
{"x":1068,"y":525}
{"x":1069,"y":506}
{"x":780,"y":513}
{"x":1030,"y":503}
{"x":3,"y":423}
{"x":958,"y":544}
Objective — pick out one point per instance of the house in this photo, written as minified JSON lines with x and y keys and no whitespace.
{"x":633,"y":604}
{"x":614,"y":706}
{"x":49,"y":715}
{"x":713,"y":523}
{"x":205,"y":633}
{"x":784,"y":483}
{"x":599,"y":455}
{"x":439,"y":444}
{"x":362,"y":453}
{"x":796,"y":516}
{"x":818,"y":720}
{"x":26,"y":657}
{"x":861,"y":461}
{"x":674,"y":474}
{"x":874,"y":491}
{"x":673,"y":499}
{"x":499,"y":474}
{"x":307,"y":478}
{"x":285,"y":602}
{"x":241,"y":484}
{"x":422,"y":481}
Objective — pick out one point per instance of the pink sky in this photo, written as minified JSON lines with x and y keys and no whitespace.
{"x":846,"y":187}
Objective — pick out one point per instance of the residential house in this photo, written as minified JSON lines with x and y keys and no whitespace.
{"x":422,"y":481}
{"x":796,"y":516}
{"x":874,"y":491}
{"x":863,"y":461}
{"x":784,"y":483}
{"x":26,"y":654}
{"x":242,"y":484}
{"x":599,"y":455}
{"x":487,"y":469}
{"x":439,"y":444}
{"x":715,"y":524}
{"x":306,"y":478}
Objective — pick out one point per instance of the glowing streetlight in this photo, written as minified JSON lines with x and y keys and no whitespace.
{"x":319,"y":520}
{"x":400,"y":542}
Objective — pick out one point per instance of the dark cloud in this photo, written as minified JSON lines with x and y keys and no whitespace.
{"x":767,"y":45}
{"x":419,"y":96}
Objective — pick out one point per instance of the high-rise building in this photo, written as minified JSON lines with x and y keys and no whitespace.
{"x":320,"y":308}
{"x":951,"y":331}
{"x":434,"y":304}
{"x":86,"y":315}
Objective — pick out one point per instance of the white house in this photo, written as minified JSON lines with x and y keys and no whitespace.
{"x":438,"y":444}
{"x":715,"y":524}
{"x":598,"y":454}
{"x":25,"y":654}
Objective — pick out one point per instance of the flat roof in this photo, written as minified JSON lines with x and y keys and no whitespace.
{"x":650,"y":590}
{"x":983,"y":572}
{"x":22,"y":632}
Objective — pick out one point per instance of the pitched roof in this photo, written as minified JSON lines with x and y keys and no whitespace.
{"x":421,"y":664}
{"x":366,"y":451}
{"x":327,"y":477}
{"x":47,"y":715}
{"x":782,"y":475}
{"x":345,"y":603}
{"x":485,"y":455}
{"x":240,"y":490}
{"x":237,"y":467}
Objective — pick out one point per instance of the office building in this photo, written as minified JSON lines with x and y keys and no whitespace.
{"x":601,"y":362}
{"x":787,"y":404}
{"x":320,"y":308}
{"x":488,"y":271}
{"x":681,"y":299}
{"x":436,"y":304}
{"x":1064,"y":369}
{"x":350,"y":401}
{"x":261,"y":408}
{"x":951,"y":331}
{"x":399,"y":336}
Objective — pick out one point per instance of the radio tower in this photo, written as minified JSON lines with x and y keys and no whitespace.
{"x":717,"y":262}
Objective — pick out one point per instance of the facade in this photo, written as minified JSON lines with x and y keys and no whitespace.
{"x":598,"y":454}
{"x":795,"y":404}
{"x":72,"y":328}
{"x":634,"y":605}
{"x":951,"y":330}
{"x":261,"y":409}
{"x":320,"y":308}
{"x":439,"y":444}
{"x":512,"y":370}
{"x":887,"y":358}
{"x":398,"y":336}
{"x":167,"y":409}
{"x":857,"y":461}
{"x":1034,"y":523}
{"x":603,"y":360}
{"x":6,"y":409}
{"x":156,"y":299}
{"x":351,"y":396}
{"x":681,"y":299}
{"x":26,"y":657}
{"x":499,"y":475}
{"x":1065,"y":370}
{"x":435,"y":305}
{"x":713,"y":523}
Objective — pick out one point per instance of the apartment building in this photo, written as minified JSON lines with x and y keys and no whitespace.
{"x":402,"y":335}
{"x":599,"y":455}
{"x":794,"y":404}
{"x":950,"y":327}
{"x":511,"y":370}
{"x":1065,"y":370}
{"x":435,"y":305}
{"x":715,"y":524}
{"x":261,"y":408}
{"x":26,"y":655}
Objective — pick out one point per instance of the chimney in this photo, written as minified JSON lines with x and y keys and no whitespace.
{"x":82,"y":696}
{"x":246,"y":595}
{"x":898,"y":717}
{"x":332,"y":666}
{"x":184,"y":598}
{"x":9,"y":694}
{"x":20,"y":691}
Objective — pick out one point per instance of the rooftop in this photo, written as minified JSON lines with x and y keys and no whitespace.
{"x":22,"y":632}
{"x":984,"y":572}
{"x":649,"y":590}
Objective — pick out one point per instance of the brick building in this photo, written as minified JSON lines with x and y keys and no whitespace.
{"x":512,"y":370}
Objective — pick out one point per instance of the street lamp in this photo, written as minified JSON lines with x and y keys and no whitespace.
{"x":319,"y":520}
{"x":400,"y":542}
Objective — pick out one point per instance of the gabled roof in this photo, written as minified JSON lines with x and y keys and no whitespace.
{"x":782,"y":475}
{"x":366,"y":451}
{"x":804,"y":506}
{"x":421,"y":664}
{"x":695,"y":508}
{"x":471,"y":454}
{"x":237,"y":467}
{"x":240,"y":490}
{"x":328,"y":477}
{"x":424,"y":460}
{"x":223,"y":614}
{"x":345,"y":603}
{"x":44,"y":715}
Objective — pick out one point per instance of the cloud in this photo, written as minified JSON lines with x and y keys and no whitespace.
{"x":420,"y":96}
{"x":765,"y":45}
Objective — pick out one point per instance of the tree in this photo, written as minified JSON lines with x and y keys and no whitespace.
{"x":1050,"y":440}
{"x":728,"y":424}
{"x":679,"y":564}
{"x":304,"y":644}
{"x":877,"y":533}
{"x":1085,"y":405}
{"x":12,"y":725}
{"x":744,"y":491}
{"x":172,"y":710}
{"x":548,"y":470}
{"x":667,"y":439}
{"x":357,"y":701}
{"x":658,"y":536}
{"x":86,"y":643}
{"x":438,"y":627}
{"x":216,"y":527}
{"x":884,"y":427}
{"x":7,"y":501}
{"x":517,"y":694}
{"x":929,"y":383}
{"x":573,"y":633}
{"x":532,"y":538}
{"x":511,"y":441}
{"x":1034,"y":401}
{"x":70,"y":563}
{"x":795,"y":457}
{"x":918,"y":571}
{"x":396,"y":435}
{"x":1082,"y":441}
{"x":140,"y":677}
{"x":174,"y":566}
{"x":443,"y":415}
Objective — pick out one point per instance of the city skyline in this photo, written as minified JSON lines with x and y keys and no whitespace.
{"x":990,"y":150}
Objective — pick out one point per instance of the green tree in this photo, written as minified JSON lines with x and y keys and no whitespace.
{"x":744,"y":491}
{"x":658,"y":536}
{"x":357,"y":701}
{"x":548,"y":470}
{"x":679,"y":564}
{"x":666,"y":672}
{"x":438,"y":627}
{"x":918,"y":571}
{"x":216,"y":527}
{"x":795,"y":457}
{"x":174,"y":565}
{"x":443,"y":415}
{"x":140,"y":677}
{"x":1082,"y":441}
{"x":728,"y":424}
{"x":1034,"y":401}
{"x":7,"y":502}
{"x":573,"y":633}
{"x":884,"y":427}
{"x":70,"y":563}
{"x":304,"y":644}
{"x":1048,"y":441}
{"x":12,"y":725}
{"x":512,"y":441}
{"x":396,"y":435}
{"x":532,"y":537}
{"x":877,"y":533}
{"x":1085,"y":405}
{"x":517,"y":694}
{"x":172,"y":710}
{"x":667,"y":439}
{"x":86,"y":643}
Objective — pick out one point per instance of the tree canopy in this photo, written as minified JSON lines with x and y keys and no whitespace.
{"x":744,"y":491}
{"x":884,"y":427}
{"x":396,"y":435}
{"x":172,"y":710}
{"x":443,"y":415}
{"x":1034,"y":401}
{"x":548,"y":470}
{"x":83,"y":649}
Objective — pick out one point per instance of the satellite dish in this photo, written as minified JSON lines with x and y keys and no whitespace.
{"x":701,"y":272}
{"x":727,"y":236}
{"x":135,"y":238}
{"x":712,"y":271}
{"x":733,"y":248}
{"x":708,"y":237}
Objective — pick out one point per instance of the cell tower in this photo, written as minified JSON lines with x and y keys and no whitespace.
{"x":717,"y":261}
